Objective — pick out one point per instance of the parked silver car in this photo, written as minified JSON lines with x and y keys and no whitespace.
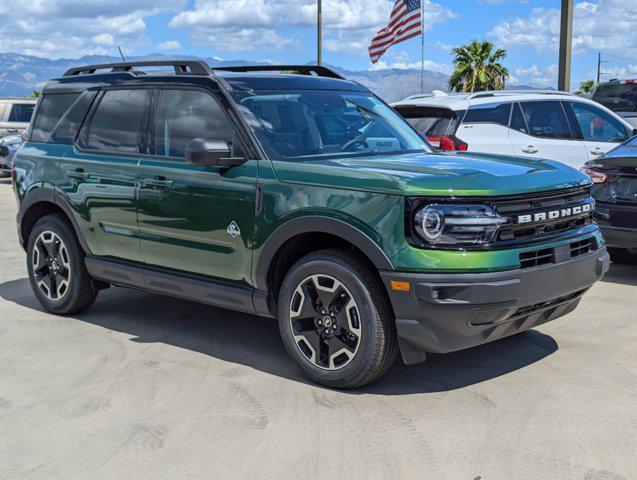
{"x":8,"y":147}
{"x":15,"y":115}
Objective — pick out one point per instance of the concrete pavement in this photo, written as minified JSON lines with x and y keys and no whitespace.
{"x":147,"y":387}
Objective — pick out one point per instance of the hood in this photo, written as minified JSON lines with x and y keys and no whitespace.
{"x":460,"y":174}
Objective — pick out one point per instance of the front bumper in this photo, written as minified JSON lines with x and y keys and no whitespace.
{"x":443,"y":313}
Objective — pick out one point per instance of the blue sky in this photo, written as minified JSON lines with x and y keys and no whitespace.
{"x":283,"y":31}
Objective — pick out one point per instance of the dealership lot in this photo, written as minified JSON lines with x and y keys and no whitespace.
{"x":142,"y":386}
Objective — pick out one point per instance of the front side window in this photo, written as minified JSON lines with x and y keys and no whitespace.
{"x":318,"y":124}
{"x":546,"y":119}
{"x":490,"y":113}
{"x":119,"y":122}
{"x":52,"y":108}
{"x":21,"y":112}
{"x":597,"y":125}
{"x":186,"y":115}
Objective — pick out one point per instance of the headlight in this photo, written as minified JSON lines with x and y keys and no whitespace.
{"x":457,"y":225}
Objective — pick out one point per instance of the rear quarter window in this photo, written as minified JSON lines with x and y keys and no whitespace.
{"x":52,"y":108}
{"x":490,"y":113}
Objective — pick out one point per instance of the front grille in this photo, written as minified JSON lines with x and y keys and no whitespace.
{"x":516,"y":233}
{"x":537,"y":258}
{"x":562,"y":253}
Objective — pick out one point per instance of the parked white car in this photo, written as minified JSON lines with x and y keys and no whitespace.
{"x":15,"y":115}
{"x":539,"y":124}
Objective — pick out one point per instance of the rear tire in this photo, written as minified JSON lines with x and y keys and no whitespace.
{"x":622,"y":255}
{"x":354,"y":341}
{"x":55,"y":262}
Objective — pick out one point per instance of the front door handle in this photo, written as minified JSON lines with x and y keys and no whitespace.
{"x":530,"y":149}
{"x":158,"y":182}
{"x":78,"y":174}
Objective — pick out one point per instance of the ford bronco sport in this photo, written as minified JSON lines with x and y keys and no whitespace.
{"x":296,"y":194}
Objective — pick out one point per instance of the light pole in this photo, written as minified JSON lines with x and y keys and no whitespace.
{"x":319,"y":28}
{"x":566,"y":43}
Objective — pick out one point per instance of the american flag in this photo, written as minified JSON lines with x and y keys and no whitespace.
{"x":405,"y":23}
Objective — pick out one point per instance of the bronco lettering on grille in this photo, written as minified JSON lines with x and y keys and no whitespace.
{"x":556,"y":214}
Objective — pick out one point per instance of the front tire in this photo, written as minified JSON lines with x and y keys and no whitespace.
{"x":55,"y":263}
{"x":336,"y":321}
{"x":622,"y":255}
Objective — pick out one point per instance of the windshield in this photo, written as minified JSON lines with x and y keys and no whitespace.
{"x":318,"y":124}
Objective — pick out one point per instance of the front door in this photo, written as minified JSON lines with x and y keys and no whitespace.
{"x":195,"y":219}
{"x":539,"y":129}
{"x":599,"y":131}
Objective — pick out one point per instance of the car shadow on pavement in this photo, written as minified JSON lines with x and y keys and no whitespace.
{"x":254,"y":341}
{"x":621,"y":274}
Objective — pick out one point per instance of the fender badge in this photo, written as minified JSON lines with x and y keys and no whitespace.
{"x":233,"y":230}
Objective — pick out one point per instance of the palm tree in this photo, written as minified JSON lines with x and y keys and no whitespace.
{"x":478,"y":68}
{"x":587,"y":86}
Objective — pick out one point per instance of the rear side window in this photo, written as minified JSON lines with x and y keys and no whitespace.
{"x":619,"y":97}
{"x":546,"y":119}
{"x":431,"y":122}
{"x":119,"y":122}
{"x":491,"y":113}
{"x":185,"y":115}
{"x":52,"y":108}
{"x":21,"y":112}
{"x":66,"y":129}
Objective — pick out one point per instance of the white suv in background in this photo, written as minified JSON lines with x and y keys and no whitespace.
{"x":539,"y":124}
{"x":15,"y":115}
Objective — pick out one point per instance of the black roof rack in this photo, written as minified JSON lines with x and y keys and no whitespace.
{"x":300,"y":69}
{"x":182,"y":67}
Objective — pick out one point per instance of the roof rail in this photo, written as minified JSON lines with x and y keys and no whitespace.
{"x":317,"y":70}
{"x":182,"y":67}
{"x":497,"y":93}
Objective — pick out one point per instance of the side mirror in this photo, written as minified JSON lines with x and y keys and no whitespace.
{"x":214,"y":153}
{"x":4,"y":151}
{"x":634,"y":131}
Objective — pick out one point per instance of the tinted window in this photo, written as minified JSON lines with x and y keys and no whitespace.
{"x":431,"y":122}
{"x":21,"y":112}
{"x":119,"y":122}
{"x":620,"y":97}
{"x":546,"y":119}
{"x":67,"y":127}
{"x":314,"y":124}
{"x":597,"y":125}
{"x":185,"y":115}
{"x":51,"y":109}
{"x":498,"y":114}
{"x":518,"y":122}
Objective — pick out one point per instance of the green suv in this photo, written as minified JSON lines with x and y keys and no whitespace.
{"x":291,"y":192}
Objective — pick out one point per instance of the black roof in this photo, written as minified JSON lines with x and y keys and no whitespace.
{"x":189,"y":72}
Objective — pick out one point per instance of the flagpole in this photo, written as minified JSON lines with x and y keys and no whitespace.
{"x":422,"y":46}
{"x":319,"y":28}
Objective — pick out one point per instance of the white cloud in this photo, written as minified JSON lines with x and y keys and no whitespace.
{"x":534,"y":76}
{"x":349,"y":24}
{"x":607,"y":25}
{"x":169,"y":45}
{"x":66,"y":28}
{"x":401,"y":60}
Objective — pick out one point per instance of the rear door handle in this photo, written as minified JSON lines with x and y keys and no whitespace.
{"x":161,"y":182}
{"x":597,"y":152}
{"x":78,"y":174}
{"x":530,"y":149}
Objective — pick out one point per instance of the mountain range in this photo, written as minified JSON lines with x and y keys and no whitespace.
{"x":20,"y":74}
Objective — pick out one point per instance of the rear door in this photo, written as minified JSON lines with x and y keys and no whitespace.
{"x":192,"y":218}
{"x":599,"y":130}
{"x":102,"y":168}
{"x":485,"y":128}
{"x":540,"y":129}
